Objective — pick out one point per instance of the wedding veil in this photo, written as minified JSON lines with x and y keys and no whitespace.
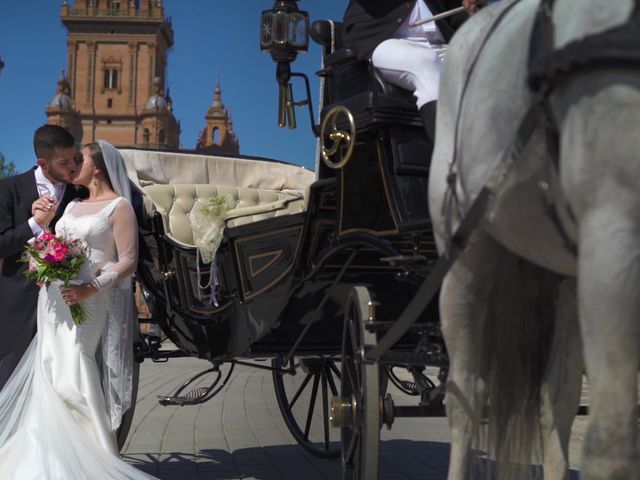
{"x":117,"y":341}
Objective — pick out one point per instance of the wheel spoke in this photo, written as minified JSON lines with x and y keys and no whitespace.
{"x":299,"y":391}
{"x":332,"y":382}
{"x":354,"y":349}
{"x":353,"y":445}
{"x":335,"y":369}
{"x":349,"y":367}
{"x":325,"y":411}
{"x":312,"y":404}
{"x":353,"y":337}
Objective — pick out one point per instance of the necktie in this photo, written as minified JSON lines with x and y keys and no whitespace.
{"x":59,"y":188}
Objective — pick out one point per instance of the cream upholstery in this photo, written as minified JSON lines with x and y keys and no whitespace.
{"x":187,"y":168}
{"x":176,"y":202}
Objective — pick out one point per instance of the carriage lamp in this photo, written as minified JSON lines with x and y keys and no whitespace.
{"x":284,"y":32}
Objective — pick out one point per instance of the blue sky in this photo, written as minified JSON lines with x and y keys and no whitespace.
{"x":211,"y":38}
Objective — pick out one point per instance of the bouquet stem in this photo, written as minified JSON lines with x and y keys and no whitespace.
{"x":78,"y":313}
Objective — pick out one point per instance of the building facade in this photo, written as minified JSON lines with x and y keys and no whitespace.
{"x":114,"y":86}
{"x":116,"y":66}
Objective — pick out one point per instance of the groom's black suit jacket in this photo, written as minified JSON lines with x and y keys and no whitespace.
{"x":18,"y":296}
{"x":367,"y":23}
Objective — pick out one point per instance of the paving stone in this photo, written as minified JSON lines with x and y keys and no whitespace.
{"x":240,"y":433}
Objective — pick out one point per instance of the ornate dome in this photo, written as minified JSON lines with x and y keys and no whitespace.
{"x":62,"y":100}
{"x":217,"y":107}
{"x":157,"y":100}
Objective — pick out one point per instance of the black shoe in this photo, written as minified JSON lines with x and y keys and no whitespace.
{"x":428,"y":114}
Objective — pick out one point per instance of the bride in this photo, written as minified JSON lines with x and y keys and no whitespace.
{"x":60,"y":409}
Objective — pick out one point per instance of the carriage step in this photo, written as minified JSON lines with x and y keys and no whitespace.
{"x":193,"y":397}
{"x":198,"y":394}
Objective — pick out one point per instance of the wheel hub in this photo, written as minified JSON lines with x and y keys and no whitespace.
{"x":342,"y":411}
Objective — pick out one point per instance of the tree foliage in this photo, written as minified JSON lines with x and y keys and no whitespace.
{"x":6,"y":168}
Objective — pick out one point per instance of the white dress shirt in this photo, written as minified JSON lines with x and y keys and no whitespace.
{"x":45,"y":187}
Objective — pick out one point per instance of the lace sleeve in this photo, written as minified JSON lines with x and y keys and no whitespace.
{"x":125,"y":234}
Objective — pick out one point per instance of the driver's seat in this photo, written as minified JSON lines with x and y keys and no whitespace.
{"x":390,"y":163}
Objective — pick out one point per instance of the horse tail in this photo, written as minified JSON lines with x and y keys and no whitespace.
{"x":520,"y":327}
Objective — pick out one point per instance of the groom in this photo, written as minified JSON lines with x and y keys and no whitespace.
{"x":29,"y":202}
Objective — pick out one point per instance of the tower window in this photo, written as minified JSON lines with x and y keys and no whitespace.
{"x":146,"y":136}
{"x":114,"y":5}
{"x":109,"y":102}
{"x":110,"y":78}
{"x":215,"y":136}
{"x":161,"y":136}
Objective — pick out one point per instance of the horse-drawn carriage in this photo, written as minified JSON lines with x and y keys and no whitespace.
{"x":313,"y":268}
{"x":334,"y":274}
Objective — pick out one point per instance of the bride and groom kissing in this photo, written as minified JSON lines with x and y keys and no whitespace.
{"x":64,"y":386}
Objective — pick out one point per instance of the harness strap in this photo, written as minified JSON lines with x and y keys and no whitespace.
{"x":451,"y":203}
{"x":547,"y":66}
{"x":616,"y":46}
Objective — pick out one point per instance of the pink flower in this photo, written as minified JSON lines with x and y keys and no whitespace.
{"x":56,"y":252}
{"x":46,"y":236}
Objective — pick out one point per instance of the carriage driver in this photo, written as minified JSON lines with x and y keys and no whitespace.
{"x":407,"y":56}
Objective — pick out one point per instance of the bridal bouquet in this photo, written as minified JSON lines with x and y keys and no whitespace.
{"x":56,"y":258}
{"x":207,"y":223}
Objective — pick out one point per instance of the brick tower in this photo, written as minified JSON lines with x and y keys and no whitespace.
{"x":117,"y":59}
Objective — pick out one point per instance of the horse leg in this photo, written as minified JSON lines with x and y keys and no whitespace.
{"x":562,"y":385}
{"x":608,"y":280}
{"x":463,"y":306}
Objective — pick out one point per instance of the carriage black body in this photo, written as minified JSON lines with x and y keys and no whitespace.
{"x":287,"y":283}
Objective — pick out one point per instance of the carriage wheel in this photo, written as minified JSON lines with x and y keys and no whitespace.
{"x":127,"y":418}
{"x":358,"y":409}
{"x":297,"y":397}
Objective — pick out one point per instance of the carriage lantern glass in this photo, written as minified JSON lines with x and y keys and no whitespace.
{"x":284,"y":31}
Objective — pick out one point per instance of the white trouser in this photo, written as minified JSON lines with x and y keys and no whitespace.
{"x":411,"y":64}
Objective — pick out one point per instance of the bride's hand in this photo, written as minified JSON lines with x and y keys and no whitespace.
{"x":77,"y":293}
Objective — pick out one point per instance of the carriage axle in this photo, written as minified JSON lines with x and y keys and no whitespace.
{"x":344,"y":413}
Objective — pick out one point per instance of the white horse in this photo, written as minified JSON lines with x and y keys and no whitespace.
{"x":508,"y":348}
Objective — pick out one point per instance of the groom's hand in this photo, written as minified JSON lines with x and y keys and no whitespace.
{"x":43,"y":211}
{"x":44,"y":203}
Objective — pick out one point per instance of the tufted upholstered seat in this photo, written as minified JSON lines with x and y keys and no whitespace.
{"x":176,"y":202}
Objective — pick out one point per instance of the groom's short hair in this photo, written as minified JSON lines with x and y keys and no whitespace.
{"x":48,"y":137}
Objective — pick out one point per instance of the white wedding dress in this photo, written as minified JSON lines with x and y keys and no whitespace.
{"x":54,"y":416}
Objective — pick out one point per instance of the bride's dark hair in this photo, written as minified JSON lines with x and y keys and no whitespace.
{"x":96,"y":155}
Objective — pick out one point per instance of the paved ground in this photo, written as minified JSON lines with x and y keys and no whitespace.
{"x":240,"y":434}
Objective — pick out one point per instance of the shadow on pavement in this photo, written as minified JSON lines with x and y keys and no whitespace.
{"x":399,"y":460}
